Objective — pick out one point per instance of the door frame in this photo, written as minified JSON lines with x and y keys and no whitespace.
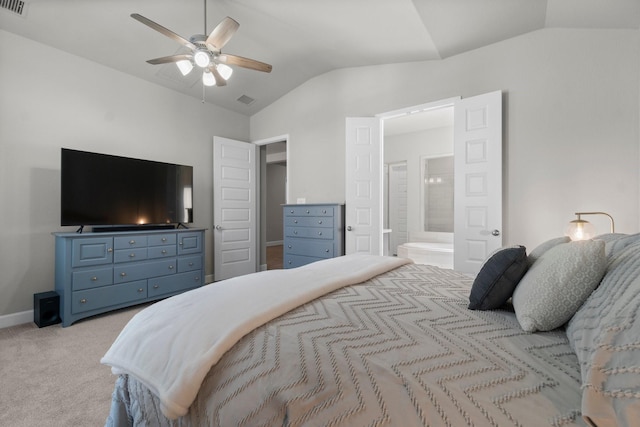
{"x":261,"y":219}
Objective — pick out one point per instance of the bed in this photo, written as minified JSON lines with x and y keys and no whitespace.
{"x":395,"y":344}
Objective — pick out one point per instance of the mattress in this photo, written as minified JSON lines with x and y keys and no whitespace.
{"x":401,"y":349}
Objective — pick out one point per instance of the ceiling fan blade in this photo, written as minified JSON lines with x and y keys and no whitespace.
{"x":168,"y":59}
{"x":221,"y":34}
{"x":159,"y":28}
{"x":240,"y":61}
{"x":220,"y":81}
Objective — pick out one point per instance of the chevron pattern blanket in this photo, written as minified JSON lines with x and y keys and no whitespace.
{"x":401,"y":349}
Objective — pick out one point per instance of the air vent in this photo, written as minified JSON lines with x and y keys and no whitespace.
{"x":247,"y":100}
{"x":15,"y":6}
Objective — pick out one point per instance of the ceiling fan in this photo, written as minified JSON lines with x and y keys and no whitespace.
{"x":206,"y":51}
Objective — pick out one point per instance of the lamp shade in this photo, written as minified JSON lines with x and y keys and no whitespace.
{"x":225,"y":71}
{"x":185,"y":66}
{"x":208,"y":79}
{"x":579,"y":229}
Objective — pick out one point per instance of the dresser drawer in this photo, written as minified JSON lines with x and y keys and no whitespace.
{"x":162,"y":239}
{"x":308,"y":211}
{"x":292,"y":261}
{"x":175,"y":283}
{"x":310,"y":221}
{"x":93,"y":278}
{"x":161,"y":251}
{"x":92,"y":299}
{"x":314,"y":248}
{"x":129,"y":242}
{"x":128,"y":255}
{"x":190,"y":263}
{"x":309,"y":232}
{"x":92,"y":251}
{"x":130,"y":272}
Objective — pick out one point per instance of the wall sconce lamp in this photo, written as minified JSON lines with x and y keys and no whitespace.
{"x":579,"y":229}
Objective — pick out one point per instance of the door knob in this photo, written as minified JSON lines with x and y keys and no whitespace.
{"x":495,"y":233}
{"x":349,"y":228}
{"x":218,"y":227}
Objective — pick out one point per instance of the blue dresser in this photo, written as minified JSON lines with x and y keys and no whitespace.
{"x":312,"y":232}
{"x":100,"y":272}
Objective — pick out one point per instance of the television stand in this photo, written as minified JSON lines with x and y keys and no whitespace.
{"x":100,"y":272}
{"x":144,"y":227}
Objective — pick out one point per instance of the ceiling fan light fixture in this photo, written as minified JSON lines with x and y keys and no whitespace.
{"x":208,"y":79}
{"x":225,"y":71}
{"x":201,"y":58}
{"x":184,"y":66}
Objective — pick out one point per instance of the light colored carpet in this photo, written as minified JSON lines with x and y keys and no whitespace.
{"x":52,"y":376}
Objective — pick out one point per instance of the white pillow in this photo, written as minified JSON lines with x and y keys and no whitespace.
{"x":558,"y":283}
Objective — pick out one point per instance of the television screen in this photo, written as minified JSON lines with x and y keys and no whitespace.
{"x":100,"y":189}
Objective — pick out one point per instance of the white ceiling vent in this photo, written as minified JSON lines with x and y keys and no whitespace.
{"x":247,"y":100}
{"x":16,"y":6}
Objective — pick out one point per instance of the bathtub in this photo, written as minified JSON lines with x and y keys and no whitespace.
{"x":439,"y":254}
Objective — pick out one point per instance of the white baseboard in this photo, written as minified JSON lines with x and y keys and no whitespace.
{"x":275,"y":243}
{"x":263,"y":267}
{"x":14,"y":319}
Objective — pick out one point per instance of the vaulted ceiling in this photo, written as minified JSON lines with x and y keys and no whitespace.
{"x":300,"y":38}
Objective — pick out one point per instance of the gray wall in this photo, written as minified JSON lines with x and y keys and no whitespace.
{"x":74,"y":103}
{"x":571,"y":120}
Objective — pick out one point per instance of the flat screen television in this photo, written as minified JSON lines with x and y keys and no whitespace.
{"x":105,"y":190}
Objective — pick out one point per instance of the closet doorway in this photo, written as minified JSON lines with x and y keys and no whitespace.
{"x":273,"y":194}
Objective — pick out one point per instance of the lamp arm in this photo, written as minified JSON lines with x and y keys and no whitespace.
{"x":599,"y":213}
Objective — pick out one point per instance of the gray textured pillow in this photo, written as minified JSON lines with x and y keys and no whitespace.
{"x":497,"y":278}
{"x":558,"y":283}
{"x":544,"y":247}
{"x":604,"y":335}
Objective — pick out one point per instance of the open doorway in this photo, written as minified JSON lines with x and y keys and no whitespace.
{"x":273,"y":194}
{"x":415,"y":204}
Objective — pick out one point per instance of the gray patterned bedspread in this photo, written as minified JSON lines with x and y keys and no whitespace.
{"x":401,"y":349}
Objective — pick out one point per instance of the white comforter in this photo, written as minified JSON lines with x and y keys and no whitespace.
{"x":171,"y":345}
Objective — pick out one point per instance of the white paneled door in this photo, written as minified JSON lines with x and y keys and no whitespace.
{"x":478,"y":180}
{"x":234,"y":208}
{"x":363,"y":210}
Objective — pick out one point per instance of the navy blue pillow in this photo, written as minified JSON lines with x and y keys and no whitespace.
{"x":498,"y":278}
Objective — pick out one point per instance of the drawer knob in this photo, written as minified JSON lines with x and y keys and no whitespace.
{"x":83,"y":301}
{"x":94,"y":279}
{"x":295,"y":221}
{"x":320,"y":222}
{"x":319,"y":233}
{"x":164,"y":239}
{"x":140,"y":290}
{"x":164,"y":252}
{"x":123,"y":274}
{"x":156,"y":286}
{"x":326,"y":250}
{"x":291,"y":211}
{"x":289,"y":263}
{"x":307,"y":210}
{"x":190,"y":264}
{"x":289,"y":246}
{"x":110,"y":250}
{"x":197,"y":279}
{"x":171,"y":267}
{"x":295,"y":231}
{"x":132,"y":242}
{"x":324,"y":211}
{"x":132,"y":255}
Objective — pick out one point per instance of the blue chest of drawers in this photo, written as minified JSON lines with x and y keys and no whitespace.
{"x":100,"y":272}
{"x":312,"y":232}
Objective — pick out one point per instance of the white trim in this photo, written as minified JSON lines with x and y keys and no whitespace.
{"x":275,"y":243}
{"x":449,"y":102}
{"x":14,"y":319}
